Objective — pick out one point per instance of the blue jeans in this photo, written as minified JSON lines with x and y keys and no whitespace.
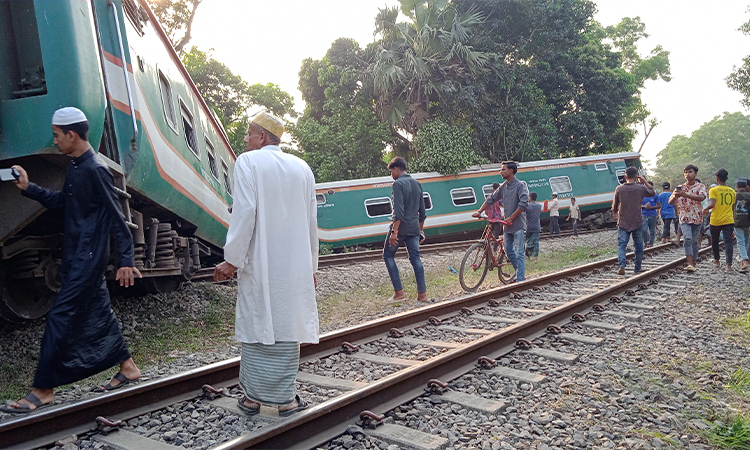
{"x":412,"y":246}
{"x":691,"y":233}
{"x":514,"y":249}
{"x":649,"y":229}
{"x":623,"y":237}
{"x":743,"y":241}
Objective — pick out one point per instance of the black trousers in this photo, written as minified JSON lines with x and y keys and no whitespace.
{"x":716,"y":231}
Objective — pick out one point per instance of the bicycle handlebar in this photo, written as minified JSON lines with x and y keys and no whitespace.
{"x":483,"y":217}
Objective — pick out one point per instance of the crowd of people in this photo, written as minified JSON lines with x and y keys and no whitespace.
{"x":276,"y":306}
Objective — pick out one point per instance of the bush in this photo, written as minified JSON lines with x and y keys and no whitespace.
{"x":443,"y":148}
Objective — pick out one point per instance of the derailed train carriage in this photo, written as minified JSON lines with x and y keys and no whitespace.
{"x":358,"y":212}
{"x":168,"y":152}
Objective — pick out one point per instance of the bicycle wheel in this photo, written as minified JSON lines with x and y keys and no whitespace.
{"x":505,"y":270}
{"x":474,"y":267}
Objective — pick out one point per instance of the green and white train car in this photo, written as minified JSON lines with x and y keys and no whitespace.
{"x":359,"y":211}
{"x":168,"y":152}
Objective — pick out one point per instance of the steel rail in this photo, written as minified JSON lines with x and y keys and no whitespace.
{"x":43,"y":427}
{"x":330,"y":419}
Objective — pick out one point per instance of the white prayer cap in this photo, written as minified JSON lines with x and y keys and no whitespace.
{"x":68,"y":116}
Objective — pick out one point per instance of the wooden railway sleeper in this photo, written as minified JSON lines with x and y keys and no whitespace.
{"x":370,"y":420}
{"x":105,"y":426}
{"x":436,"y":386}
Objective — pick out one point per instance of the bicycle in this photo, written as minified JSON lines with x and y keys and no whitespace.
{"x":486,"y":254}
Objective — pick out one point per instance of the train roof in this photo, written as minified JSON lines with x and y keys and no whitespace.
{"x":487,"y":168}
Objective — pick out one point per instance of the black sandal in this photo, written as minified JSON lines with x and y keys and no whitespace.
{"x":301,"y":404}
{"x":24,"y":408}
{"x":246,"y":409}
{"x":119,"y":377}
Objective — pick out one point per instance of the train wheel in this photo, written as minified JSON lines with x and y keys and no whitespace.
{"x":474,"y":267}
{"x":162,"y":285}
{"x":25,"y":299}
{"x":505,"y":270}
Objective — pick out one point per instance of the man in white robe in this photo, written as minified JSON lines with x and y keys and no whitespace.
{"x":272,"y":246}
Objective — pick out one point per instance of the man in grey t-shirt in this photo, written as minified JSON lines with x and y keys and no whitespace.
{"x":515,"y":197}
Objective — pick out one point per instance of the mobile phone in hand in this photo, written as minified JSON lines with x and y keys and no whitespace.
{"x":9,"y":174}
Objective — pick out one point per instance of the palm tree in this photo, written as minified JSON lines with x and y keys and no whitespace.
{"x":421,"y":61}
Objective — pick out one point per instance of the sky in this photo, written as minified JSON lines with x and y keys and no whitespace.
{"x":265,"y":42}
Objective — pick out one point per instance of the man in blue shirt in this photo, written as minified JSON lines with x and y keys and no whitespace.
{"x":667,"y":212}
{"x":649,"y":210}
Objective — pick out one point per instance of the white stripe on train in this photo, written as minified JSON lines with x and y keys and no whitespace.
{"x":440,"y":221}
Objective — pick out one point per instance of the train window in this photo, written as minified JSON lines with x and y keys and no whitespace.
{"x":187,"y":125}
{"x":600,"y":166}
{"x":320,"y":199}
{"x":227,"y":181}
{"x":212,"y":159}
{"x":166,"y":100}
{"x":427,"y":200}
{"x":378,"y":207}
{"x":560,"y":184}
{"x":463,"y":196}
{"x":620,"y":175}
{"x":487,"y":190}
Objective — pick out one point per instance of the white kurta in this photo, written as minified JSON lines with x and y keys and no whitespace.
{"x":273,"y":242}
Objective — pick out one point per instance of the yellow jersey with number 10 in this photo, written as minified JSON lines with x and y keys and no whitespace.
{"x":722,"y":212}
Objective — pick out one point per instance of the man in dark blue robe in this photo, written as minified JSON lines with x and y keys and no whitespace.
{"x":82,"y":336}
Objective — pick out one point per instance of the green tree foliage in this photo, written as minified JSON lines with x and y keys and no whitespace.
{"x":561,"y":84}
{"x":231,"y":97}
{"x":720,"y":143}
{"x":739,"y":79}
{"x":339,"y":134}
{"x":421,"y":61}
{"x":176,"y":18}
{"x":443,"y":148}
{"x":526,"y":79}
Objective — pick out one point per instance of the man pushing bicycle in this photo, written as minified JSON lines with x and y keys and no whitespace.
{"x":514,"y":195}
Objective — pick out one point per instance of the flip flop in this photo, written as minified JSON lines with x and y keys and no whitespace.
{"x":246,"y":409}
{"x":119,"y":377}
{"x":301,"y":404}
{"x":24,"y":408}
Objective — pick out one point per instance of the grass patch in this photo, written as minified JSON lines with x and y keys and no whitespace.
{"x":735,"y":435}
{"x":740,"y":382}
{"x":173,"y":330}
{"x":348,"y":308}
{"x":740,"y":324}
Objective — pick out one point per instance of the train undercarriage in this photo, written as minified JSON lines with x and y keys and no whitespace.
{"x":166,"y":251}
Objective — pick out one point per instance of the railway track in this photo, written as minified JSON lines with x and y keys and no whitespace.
{"x":451,"y":337}
{"x":340,"y":259}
